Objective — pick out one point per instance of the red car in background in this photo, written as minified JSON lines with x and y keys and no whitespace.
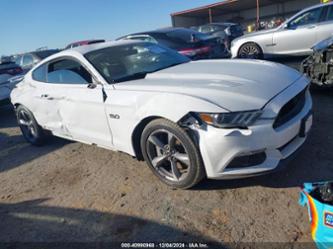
{"x":82,"y":43}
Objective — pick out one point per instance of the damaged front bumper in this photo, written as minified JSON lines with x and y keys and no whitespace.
{"x":239,"y":153}
{"x":319,"y":66}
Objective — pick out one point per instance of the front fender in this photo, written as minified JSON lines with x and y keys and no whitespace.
{"x":132,"y":107}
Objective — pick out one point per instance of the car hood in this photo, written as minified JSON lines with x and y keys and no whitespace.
{"x":235,"y":85}
{"x":322,"y":45}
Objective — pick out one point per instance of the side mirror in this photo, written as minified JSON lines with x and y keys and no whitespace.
{"x":91,"y":86}
{"x":290,"y":27}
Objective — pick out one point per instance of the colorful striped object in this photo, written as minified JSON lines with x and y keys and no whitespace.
{"x":320,"y":214}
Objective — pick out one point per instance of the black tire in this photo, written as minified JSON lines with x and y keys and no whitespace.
{"x":250,"y":50}
{"x":32,"y":132}
{"x":194,"y":167}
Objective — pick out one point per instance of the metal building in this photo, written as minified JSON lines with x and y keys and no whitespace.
{"x":245,"y":12}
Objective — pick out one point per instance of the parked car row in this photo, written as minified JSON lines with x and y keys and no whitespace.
{"x":190,"y":43}
{"x":226,"y":32}
{"x":193,"y":44}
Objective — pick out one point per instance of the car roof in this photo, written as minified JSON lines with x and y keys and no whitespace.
{"x":85,"y":42}
{"x":221,"y":23}
{"x":161,"y":31}
{"x":89,"y":48}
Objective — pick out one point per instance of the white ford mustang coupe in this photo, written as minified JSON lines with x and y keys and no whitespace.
{"x":220,"y":119}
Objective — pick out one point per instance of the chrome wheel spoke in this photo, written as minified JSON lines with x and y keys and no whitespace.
{"x":171,"y":140}
{"x":175,"y":171}
{"x":32,"y":130}
{"x":23,"y":122}
{"x":156,"y":141}
{"x":26,"y":124}
{"x":182,"y":157}
{"x":157,"y":161}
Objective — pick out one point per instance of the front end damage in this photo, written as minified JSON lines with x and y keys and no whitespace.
{"x":319,"y":66}
{"x":233,"y":153}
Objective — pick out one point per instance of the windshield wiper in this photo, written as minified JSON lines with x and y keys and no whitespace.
{"x":136,"y":76}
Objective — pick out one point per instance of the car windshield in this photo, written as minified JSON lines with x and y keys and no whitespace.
{"x":133,"y":61}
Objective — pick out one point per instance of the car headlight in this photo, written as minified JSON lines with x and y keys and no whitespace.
{"x":231,"y":119}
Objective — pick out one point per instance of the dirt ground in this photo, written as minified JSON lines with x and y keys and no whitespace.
{"x":67,"y":191}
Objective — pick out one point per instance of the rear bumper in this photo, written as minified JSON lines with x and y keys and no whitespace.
{"x":219,"y":147}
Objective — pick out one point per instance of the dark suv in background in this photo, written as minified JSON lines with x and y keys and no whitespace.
{"x":226,"y":32}
{"x":28,"y":60}
{"x":188,"y":42}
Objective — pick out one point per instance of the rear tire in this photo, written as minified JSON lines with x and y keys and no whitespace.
{"x":31,"y":130}
{"x":171,"y":154}
{"x":250,"y":50}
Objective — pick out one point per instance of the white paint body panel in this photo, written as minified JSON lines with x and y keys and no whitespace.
{"x":79,"y":113}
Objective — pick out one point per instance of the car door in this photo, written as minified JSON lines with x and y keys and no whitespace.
{"x":76,"y":103}
{"x":325,"y":27}
{"x":299,"y":34}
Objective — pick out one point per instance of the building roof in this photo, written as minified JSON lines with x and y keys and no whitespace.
{"x":226,"y":6}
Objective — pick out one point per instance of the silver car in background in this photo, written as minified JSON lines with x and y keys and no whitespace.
{"x":296,"y":36}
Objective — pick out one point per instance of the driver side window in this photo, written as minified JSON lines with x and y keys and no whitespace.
{"x":309,"y":17}
{"x":67,"y":71}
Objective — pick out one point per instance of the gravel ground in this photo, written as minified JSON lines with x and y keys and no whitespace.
{"x":67,"y":191}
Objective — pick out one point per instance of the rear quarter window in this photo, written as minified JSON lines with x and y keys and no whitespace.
{"x":39,"y":74}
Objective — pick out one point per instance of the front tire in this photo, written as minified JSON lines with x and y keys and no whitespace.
{"x":250,"y":50}
{"x":30,"y":129}
{"x":171,"y":154}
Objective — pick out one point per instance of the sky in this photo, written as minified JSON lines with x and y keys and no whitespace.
{"x":29,"y":24}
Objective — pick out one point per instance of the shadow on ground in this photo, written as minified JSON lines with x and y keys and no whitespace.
{"x":12,"y":145}
{"x":7,"y":117}
{"x":33,"y":221}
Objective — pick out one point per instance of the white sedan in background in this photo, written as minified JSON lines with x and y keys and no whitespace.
{"x":296,"y":36}
{"x":220,"y":119}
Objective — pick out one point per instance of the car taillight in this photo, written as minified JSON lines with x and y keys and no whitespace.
{"x":195,"y":51}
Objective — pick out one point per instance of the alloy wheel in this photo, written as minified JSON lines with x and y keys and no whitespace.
{"x":250,"y":51}
{"x":27,"y":125}
{"x":168,"y":155}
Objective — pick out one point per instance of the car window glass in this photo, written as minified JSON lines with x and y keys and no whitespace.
{"x":119,"y":62}
{"x":142,"y":38}
{"x":185,"y":35}
{"x":27,"y":60}
{"x":330,"y":13}
{"x":39,"y":74}
{"x":218,"y":28}
{"x":205,"y":29}
{"x":18,"y":60}
{"x":68,"y":72}
{"x":309,"y":17}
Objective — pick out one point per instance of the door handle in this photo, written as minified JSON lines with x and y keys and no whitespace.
{"x":312,"y":27}
{"x":46,"y":96}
